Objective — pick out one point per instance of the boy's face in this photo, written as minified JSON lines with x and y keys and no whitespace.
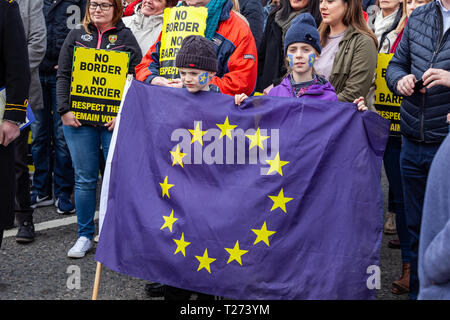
{"x":301,"y":57}
{"x":194,"y":79}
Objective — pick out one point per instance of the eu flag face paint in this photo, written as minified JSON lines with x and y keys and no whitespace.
{"x":291,"y":60}
{"x":311,"y":59}
{"x":203,"y":78}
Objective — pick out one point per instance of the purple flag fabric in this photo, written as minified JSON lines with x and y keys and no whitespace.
{"x":279,"y":198}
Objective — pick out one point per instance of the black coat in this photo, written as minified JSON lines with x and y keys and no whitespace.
{"x":423,"y":45}
{"x":14,"y":65}
{"x":15,"y":77}
{"x":60,"y":17}
{"x":271,"y":65}
{"x":253,"y":11}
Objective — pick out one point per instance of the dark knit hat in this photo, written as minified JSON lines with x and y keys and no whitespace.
{"x":197,"y":52}
{"x":303,"y":29}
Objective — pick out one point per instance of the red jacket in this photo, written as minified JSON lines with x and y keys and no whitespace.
{"x":236,"y":53}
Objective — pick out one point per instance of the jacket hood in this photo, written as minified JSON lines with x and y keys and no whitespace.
{"x":137,"y":8}
{"x":321,"y":87}
{"x":226,"y":10}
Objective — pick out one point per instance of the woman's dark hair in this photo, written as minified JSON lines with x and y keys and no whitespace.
{"x":286,"y":9}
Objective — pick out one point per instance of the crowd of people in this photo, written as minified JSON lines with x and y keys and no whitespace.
{"x":322,"y":49}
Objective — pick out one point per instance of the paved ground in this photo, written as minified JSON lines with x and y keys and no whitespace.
{"x":41,"y":270}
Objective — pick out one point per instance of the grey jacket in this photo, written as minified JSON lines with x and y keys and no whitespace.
{"x":36,"y":35}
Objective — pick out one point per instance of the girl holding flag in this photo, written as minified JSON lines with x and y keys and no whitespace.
{"x":302,"y":48}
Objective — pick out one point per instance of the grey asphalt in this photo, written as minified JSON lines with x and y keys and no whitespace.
{"x":42,"y":271}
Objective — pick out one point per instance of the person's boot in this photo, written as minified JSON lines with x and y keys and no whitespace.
{"x":401,"y":286}
{"x":394,"y":244}
{"x":155,"y":289}
{"x":25,"y":233}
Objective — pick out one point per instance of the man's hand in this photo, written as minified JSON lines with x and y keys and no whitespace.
{"x":8,"y":132}
{"x":406,"y":85}
{"x":70,"y":120}
{"x":434,"y":77}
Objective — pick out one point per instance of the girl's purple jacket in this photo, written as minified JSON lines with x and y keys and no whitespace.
{"x":323,"y":90}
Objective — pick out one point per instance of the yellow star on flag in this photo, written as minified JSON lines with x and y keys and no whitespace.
{"x":169,"y":221}
{"x":276,"y":164}
{"x":280,"y":201}
{"x":235,"y":253}
{"x":165,"y":186}
{"x":263,"y":234}
{"x":181,"y":245}
{"x":226,"y":129}
{"x":197,"y":134}
{"x":205,"y":261}
{"x":177,"y":156}
{"x":256,"y":139}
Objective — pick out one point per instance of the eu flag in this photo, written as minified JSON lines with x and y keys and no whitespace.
{"x":279,"y":198}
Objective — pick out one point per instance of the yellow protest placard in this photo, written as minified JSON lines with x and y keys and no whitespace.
{"x":178,"y":23}
{"x":98,"y":78}
{"x":386,"y":102}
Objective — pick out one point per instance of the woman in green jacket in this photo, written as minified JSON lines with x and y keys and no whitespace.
{"x":349,"y":54}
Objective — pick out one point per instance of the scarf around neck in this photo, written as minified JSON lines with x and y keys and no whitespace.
{"x":214,"y":13}
{"x":285,"y":24}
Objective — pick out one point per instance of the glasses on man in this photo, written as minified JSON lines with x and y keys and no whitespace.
{"x":104,"y":6}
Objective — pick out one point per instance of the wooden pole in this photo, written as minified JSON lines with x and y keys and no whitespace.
{"x":98,"y":273}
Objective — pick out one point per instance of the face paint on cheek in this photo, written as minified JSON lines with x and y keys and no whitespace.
{"x":291,"y":60}
{"x":311,"y":59}
{"x":203,"y":78}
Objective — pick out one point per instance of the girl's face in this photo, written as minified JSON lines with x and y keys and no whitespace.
{"x":152,"y":7}
{"x":333,"y":11}
{"x":412,"y":4}
{"x":194,"y":79}
{"x":301,"y":57}
{"x":101,"y":11}
{"x":298,"y":4}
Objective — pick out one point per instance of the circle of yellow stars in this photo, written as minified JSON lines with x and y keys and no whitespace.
{"x":263,"y":234}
